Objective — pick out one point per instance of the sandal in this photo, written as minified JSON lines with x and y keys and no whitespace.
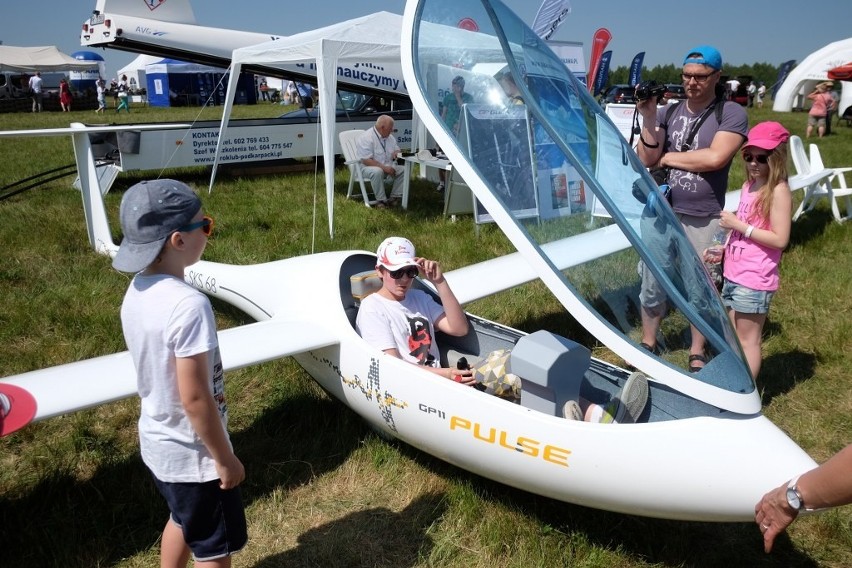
{"x":693,"y":358}
{"x":655,"y":349}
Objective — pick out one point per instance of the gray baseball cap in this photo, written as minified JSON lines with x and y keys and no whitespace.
{"x":150,"y":212}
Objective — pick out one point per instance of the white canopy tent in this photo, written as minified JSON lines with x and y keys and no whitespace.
{"x":135,"y":70}
{"x":43,"y":59}
{"x":374,"y":38}
{"x":365,"y":51}
{"x":812,"y":70}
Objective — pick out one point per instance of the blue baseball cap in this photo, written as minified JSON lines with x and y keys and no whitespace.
{"x":704,"y":55}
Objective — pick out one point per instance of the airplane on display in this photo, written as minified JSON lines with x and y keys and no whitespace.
{"x":701,"y":450}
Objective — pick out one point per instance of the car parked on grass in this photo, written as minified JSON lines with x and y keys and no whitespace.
{"x":674,"y":91}
{"x":619,"y":94}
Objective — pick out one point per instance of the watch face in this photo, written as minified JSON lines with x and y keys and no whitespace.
{"x":793,"y":498}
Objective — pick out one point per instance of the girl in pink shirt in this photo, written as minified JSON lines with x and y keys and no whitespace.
{"x":760,"y":230}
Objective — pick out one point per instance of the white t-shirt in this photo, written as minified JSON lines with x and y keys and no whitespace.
{"x":407,"y":326}
{"x":164,"y":318}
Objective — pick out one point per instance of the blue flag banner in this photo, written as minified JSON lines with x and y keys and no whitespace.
{"x":550,"y":15}
{"x":636,"y":69}
{"x":603,"y":73}
{"x":783,"y":71}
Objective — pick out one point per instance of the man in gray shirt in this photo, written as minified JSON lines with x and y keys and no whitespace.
{"x":695,"y":142}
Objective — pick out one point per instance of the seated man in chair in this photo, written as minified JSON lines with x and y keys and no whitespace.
{"x":377,"y":149}
{"x":402,"y":322}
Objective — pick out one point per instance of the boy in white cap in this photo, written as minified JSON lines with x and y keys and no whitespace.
{"x":401,"y":322}
{"x":171,"y":334}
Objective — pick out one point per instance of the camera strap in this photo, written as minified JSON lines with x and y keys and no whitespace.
{"x":717,"y":104}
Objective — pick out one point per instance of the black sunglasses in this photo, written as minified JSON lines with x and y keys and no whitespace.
{"x":759,"y":158}
{"x":410,"y":271}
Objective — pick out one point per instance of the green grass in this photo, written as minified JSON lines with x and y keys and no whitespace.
{"x":323,"y":489}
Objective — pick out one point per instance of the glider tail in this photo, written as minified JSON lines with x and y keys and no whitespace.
{"x":178,"y":11}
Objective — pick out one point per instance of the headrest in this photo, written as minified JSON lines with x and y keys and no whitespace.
{"x":364,"y":283}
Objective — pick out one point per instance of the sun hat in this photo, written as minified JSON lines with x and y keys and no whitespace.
{"x":767,"y":135}
{"x":704,"y":55}
{"x":150,"y":212}
{"x":17,"y":408}
{"x":395,"y":253}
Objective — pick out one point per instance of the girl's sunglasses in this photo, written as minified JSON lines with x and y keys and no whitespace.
{"x":410,"y":271}
{"x":759,"y":158}
{"x":206,"y":226}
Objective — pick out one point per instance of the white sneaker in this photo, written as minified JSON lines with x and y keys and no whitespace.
{"x":633,"y":398}
{"x":571,"y":411}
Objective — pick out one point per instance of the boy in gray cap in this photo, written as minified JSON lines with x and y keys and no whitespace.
{"x":171,"y":334}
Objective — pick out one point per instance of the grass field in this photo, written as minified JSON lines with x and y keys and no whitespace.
{"x":322,"y":489}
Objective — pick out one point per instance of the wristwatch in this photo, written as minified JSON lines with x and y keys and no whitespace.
{"x":794,"y":498}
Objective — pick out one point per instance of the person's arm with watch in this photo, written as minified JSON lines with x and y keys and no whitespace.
{"x":829,"y":485}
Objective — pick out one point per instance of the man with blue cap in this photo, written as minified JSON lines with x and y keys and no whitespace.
{"x":693,"y":142}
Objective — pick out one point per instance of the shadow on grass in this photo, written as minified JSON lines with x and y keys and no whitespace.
{"x":809,"y":226}
{"x":781,"y":372}
{"x":117,"y":512}
{"x":652,"y":541}
{"x":373,"y":537}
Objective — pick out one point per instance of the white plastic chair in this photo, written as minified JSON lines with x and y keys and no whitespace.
{"x":807,"y":177}
{"x":348,"y":141}
{"x":827,"y":188}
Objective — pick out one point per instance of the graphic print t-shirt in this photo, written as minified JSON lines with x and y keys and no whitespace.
{"x":406,"y":326}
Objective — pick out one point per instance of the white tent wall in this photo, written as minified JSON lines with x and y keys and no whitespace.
{"x":812,"y":70}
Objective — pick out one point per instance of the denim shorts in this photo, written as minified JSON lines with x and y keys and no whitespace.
{"x":745,"y":300}
{"x":212,"y":520}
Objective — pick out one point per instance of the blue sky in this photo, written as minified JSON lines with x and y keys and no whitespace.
{"x":745,"y":31}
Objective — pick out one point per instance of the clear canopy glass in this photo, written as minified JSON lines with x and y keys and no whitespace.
{"x":563,"y":172}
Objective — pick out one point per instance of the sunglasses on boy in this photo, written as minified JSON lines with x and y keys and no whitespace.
{"x":759,"y":158}
{"x":410,"y":271}
{"x":206,"y":226}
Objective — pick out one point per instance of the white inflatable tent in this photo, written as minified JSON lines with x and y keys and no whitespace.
{"x":812,"y":70}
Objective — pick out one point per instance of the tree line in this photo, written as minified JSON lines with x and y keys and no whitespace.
{"x":759,"y":73}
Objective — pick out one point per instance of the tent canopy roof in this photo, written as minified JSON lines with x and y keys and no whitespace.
{"x":45,"y":59}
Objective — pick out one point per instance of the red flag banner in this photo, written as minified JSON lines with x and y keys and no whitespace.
{"x":599,"y":43}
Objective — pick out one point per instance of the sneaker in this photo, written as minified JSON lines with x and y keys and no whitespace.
{"x":627,"y":407}
{"x":440,"y":187}
{"x":571,"y":411}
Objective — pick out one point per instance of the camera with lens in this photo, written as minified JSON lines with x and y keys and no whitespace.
{"x":648,"y":89}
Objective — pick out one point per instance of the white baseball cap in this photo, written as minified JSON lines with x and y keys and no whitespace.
{"x":395,"y":253}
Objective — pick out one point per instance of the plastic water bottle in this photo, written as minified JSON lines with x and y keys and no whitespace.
{"x":714,"y":255}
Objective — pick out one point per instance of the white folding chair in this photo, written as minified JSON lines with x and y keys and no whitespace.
{"x":348,"y":141}
{"x":827,"y":188}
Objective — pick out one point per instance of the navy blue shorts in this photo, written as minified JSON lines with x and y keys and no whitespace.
{"x":213,"y":520}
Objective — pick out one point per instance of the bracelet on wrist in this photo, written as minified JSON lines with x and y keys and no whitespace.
{"x":642,"y":140}
{"x":749,"y":231}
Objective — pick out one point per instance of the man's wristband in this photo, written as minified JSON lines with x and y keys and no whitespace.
{"x":657,"y":145}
